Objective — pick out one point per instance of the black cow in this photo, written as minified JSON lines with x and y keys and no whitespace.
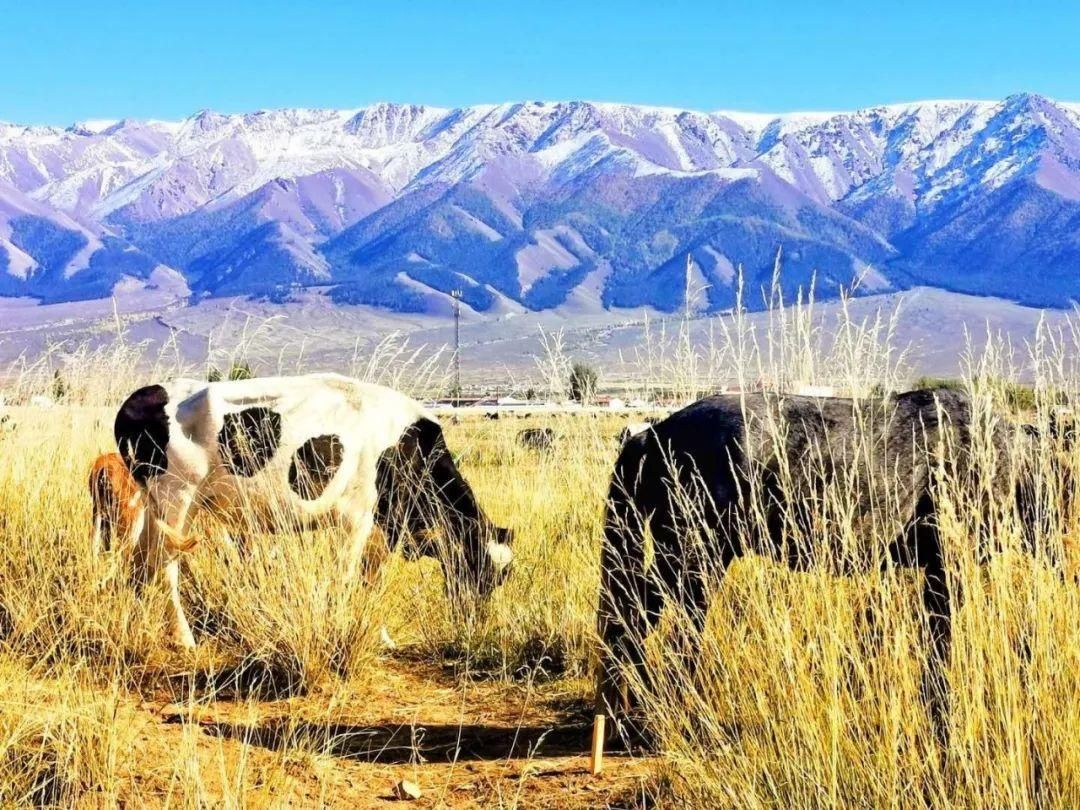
{"x":692,"y":482}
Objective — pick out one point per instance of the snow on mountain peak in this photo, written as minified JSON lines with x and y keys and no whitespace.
{"x":247,"y":201}
{"x":92,"y":127}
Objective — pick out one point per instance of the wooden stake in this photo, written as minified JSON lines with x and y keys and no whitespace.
{"x":596,"y":764}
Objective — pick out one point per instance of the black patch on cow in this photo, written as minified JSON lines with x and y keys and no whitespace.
{"x":314,"y":464}
{"x":249,"y":439}
{"x":141,"y":430}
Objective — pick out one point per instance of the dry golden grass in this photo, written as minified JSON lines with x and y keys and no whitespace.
{"x":794,"y":706}
{"x":82,"y":652}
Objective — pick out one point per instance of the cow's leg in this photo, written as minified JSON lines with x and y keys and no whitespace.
{"x":158,"y":550}
{"x":238,"y":538}
{"x":356,"y":512}
{"x":359,"y":526}
{"x":374,"y":555}
{"x":869,"y":632}
{"x":133,"y":530}
{"x":919,"y":546}
{"x":181,"y":630}
{"x":629,"y":606}
{"x":938,"y":606}
{"x":694,"y":591}
{"x":148,"y":555}
{"x":689,"y":560}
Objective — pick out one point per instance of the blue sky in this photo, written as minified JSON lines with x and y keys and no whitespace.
{"x":80,"y":60}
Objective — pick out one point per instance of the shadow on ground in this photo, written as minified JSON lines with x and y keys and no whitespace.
{"x":401,"y":744}
{"x":248,"y":679}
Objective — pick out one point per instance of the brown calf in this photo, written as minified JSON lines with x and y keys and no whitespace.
{"x":119,"y":504}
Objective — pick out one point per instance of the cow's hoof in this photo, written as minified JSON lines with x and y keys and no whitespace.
{"x":385,"y":640}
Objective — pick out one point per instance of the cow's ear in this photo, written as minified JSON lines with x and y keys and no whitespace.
{"x":505,"y":536}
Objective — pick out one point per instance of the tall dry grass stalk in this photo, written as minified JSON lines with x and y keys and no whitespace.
{"x":791,"y":346}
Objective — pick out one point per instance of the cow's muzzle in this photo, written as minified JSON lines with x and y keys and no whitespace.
{"x":499,"y":558}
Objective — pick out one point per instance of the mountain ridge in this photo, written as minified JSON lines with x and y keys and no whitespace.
{"x":536,"y":204}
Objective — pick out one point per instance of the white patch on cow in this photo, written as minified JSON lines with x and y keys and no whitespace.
{"x":500,"y":554}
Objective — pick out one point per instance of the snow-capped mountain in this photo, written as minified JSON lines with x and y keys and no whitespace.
{"x":48,"y":254}
{"x":547,"y":205}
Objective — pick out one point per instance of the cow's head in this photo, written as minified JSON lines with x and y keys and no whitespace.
{"x":428,"y":509}
{"x":475,"y":554}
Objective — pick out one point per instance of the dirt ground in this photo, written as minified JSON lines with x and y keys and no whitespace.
{"x":464,"y":743}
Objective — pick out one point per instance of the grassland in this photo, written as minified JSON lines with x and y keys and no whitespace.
{"x":291,"y":699}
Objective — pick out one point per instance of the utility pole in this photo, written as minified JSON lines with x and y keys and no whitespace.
{"x":456,"y":295}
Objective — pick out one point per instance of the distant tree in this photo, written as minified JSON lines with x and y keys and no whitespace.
{"x":583,"y":382}
{"x":238,"y":371}
{"x":948,"y":383}
{"x":530,"y":394}
{"x":241,"y":371}
{"x":59,"y":386}
{"x":1019,"y":398}
{"x":877,"y":391}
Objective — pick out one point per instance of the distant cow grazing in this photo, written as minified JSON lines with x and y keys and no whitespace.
{"x":537,"y":438}
{"x":119,"y":505}
{"x":748,"y":498}
{"x":288,"y":452}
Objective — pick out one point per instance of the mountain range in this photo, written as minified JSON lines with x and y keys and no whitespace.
{"x":540,"y":205}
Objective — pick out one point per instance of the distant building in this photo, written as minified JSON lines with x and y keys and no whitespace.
{"x":806,"y":390}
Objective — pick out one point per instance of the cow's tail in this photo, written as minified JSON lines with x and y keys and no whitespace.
{"x":103,"y":509}
{"x":626,"y":598}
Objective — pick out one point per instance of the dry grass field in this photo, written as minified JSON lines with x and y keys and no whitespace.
{"x":291,"y":699}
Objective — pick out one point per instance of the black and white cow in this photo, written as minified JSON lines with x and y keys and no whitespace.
{"x":692,"y":480}
{"x":292,"y":452}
